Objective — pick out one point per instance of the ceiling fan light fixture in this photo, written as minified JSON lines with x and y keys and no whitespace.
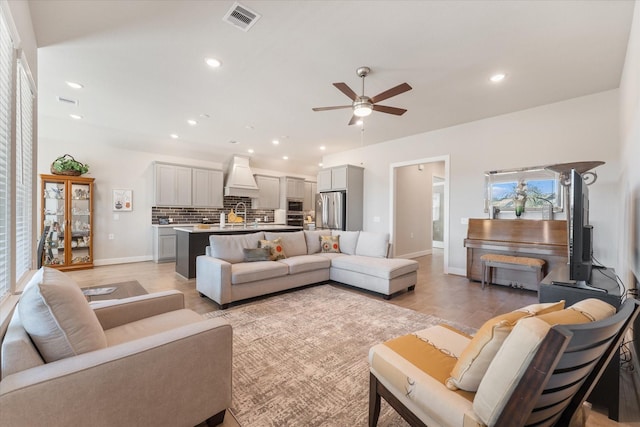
{"x":362,"y":107}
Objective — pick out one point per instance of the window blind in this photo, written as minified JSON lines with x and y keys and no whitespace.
{"x":6,"y":79}
{"x":24,"y":170}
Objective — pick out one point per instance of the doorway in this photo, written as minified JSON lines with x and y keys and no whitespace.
{"x":412,"y":207}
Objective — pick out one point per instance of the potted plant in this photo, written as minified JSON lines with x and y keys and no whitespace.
{"x":67,"y":165}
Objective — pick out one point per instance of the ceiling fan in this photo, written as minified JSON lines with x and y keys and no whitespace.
{"x":363,"y":105}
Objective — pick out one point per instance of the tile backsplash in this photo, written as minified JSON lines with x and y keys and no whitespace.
{"x":188,"y":215}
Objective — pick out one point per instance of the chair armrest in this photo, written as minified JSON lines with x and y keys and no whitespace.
{"x":178,"y":377}
{"x":213,"y":279}
{"x":114,"y":313}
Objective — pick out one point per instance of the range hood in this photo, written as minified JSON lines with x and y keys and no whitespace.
{"x":240,"y":181}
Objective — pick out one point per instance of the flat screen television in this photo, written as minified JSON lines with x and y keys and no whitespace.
{"x":580,"y":231}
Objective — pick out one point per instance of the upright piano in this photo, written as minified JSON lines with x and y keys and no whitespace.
{"x":543,"y":239}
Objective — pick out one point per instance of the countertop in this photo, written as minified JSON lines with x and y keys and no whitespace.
{"x":237,"y":227}
{"x":172,"y":225}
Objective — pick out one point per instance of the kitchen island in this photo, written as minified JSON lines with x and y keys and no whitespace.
{"x":192,"y":241}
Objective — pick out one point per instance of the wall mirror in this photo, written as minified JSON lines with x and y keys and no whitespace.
{"x":534,"y":189}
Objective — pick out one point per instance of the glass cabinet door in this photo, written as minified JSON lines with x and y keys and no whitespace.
{"x":67,"y":222}
{"x":80,"y":223}
{"x":55,"y":220}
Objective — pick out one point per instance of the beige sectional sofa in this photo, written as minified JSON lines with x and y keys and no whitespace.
{"x":226,"y":275}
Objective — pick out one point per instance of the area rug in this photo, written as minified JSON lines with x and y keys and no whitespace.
{"x":300,"y":358}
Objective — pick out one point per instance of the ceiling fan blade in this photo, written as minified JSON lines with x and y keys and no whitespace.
{"x":389,"y":110}
{"x":354,"y":120}
{"x":401,"y":88}
{"x":342,"y":87}
{"x":332,"y":108}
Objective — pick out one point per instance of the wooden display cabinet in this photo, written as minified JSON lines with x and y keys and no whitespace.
{"x":67,"y":215}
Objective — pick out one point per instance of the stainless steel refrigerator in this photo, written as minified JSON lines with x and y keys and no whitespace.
{"x":331,"y":210}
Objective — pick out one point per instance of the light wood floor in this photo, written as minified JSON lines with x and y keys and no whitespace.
{"x":446,"y":296}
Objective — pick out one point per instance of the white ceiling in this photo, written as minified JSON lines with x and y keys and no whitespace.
{"x":142,"y":65}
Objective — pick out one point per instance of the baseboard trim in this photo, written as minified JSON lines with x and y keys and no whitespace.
{"x":415,"y":254}
{"x":457,"y":271}
{"x":128,"y":260}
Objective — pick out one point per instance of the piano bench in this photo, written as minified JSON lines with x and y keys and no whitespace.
{"x":491,"y":261}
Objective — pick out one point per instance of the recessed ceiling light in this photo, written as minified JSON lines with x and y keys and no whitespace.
{"x":320,"y":164}
{"x":322,"y":147}
{"x":75,"y":85}
{"x":75,"y":116}
{"x":192,"y":122}
{"x":213,"y":63}
{"x":250,"y":150}
{"x":275,"y":142}
{"x":360,"y":122}
{"x":498,"y":77}
{"x":174,"y":136}
{"x":285,"y":157}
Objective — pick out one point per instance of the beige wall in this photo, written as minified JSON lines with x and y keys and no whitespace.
{"x":413,"y":217}
{"x":629,"y":261}
{"x":584,"y":128}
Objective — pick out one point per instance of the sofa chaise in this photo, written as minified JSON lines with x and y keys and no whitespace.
{"x":233,"y":269}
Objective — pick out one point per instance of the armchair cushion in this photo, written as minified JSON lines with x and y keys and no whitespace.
{"x":475,"y":359}
{"x":151,"y":326}
{"x":515,"y":355}
{"x":57,"y":317}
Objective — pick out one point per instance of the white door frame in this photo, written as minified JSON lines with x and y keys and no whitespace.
{"x":392,"y":201}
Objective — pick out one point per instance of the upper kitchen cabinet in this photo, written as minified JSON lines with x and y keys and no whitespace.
{"x":293,"y":187}
{"x":309,"y":201}
{"x":207,"y":188}
{"x":268,"y":192}
{"x":172,"y":185}
{"x":340,"y":178}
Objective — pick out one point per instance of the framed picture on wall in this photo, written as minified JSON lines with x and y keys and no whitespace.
{"x":122,"y":200}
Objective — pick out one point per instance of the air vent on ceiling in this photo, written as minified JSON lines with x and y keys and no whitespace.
{"x":241,"y":17}
{"x":68,"y":101}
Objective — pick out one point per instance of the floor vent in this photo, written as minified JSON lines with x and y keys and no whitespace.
{"x":68,"y":101}
{"x":241,"y":17}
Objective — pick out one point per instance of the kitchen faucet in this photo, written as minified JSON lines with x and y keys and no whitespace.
{"x":244,"y":212}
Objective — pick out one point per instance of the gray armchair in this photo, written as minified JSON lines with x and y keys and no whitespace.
{"x":162,"y":365}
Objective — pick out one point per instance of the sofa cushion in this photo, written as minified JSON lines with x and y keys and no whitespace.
{"x":388,"y":268}
{"x":474,"y":361}
{"x":57,"y":316}
{"x":151,"y":326}
{"x":300,"y":264}
{"x":275,"y":247}
{"x":372,"y":244}
{"x":246,"y":272}
{"x":294,"y":243}
{"x":516,"y":353}
{"x":348,"y":240}
{"x":330,"y":244}
{"x":256,"y":254}
{"x":313,"y":240}
{"x":230,"y":248}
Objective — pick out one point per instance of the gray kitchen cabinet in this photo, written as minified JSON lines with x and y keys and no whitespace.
{"x":309,"y":201}
{"x":268,"y":194}
{"x":324,"y":180}
{"x":164,"y":244}
{"x":295,"y":188}
{"x":207,"y":188}
{"x":340,"y":178}
{"x":172,"y":185}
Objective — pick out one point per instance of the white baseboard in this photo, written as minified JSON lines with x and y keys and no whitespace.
{"x":111,"y":261}
{"x":458,"y":271}
{"x":437,"y":244}
{"x":415,"y":254}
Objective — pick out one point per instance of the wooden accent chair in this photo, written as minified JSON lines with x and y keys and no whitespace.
{"x":553,"y":379}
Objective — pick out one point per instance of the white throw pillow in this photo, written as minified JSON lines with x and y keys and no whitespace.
{"x":348,"y":241}
{"x":372,"y":244}
{"x":57,"y":316}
